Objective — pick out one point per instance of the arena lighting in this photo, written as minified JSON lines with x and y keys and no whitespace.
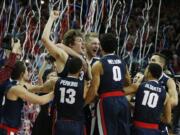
{"x":177,"y":76}
{"x":42,"y":2}
{"x":27,"y":61}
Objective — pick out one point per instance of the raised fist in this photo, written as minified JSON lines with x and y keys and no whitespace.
{"x":54,"y":14}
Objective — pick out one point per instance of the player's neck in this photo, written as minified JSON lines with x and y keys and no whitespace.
{"x":73,"y":75}
{"x":89,"y":56}
{"x":151,"y":78}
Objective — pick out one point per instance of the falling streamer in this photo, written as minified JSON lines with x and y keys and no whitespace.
{"x":121,"y":22}
{"x":74,"y":6}
{"x":28,"y":21}
{"x":142,"y":33}
{"x":157,"y":25}
{"x":147,"y":21}
{"x":131,"y":54}
{"x":21,"y":22}
{"x":145,"y":42}
{"x":126,"y":30}
{"x":81,"y":25}
{"x":124,"y":46}
{"x":116,"y":28}
{"x":110,"y":16}
{"x":90,"y":18}
{"x":15,"y":22}
{"x":8,"y":22}
{"x":68,"y":17}
{"x":99,"y":17}
{"x":149,"y":46}
{"x":4,"y":4}
{"x":53,"y":5}
{"x":38,"y":27}
{"x":60,"y":2}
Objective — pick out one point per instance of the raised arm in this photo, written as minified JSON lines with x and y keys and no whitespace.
{"x":69,"y":50}
{"x":5,"y":72}
{"x":55,"y":51}
{"x":20,"y":92}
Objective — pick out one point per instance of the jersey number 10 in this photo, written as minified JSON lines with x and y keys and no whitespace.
{"x":150,"y":99}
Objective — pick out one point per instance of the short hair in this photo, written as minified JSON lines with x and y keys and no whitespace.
{"x":108,"y":42}
{"x":70,"y":36}
{"x":75,"y":65}
{"x":155,"y":70}
{"x":162,"y":57}
{"x":90,"y":35}
{"x":18,"y":69}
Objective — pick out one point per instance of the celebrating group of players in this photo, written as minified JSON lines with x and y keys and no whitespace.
{"x":88,"y":87}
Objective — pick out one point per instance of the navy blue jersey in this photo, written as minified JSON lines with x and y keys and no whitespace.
{"x":11,"y":113}
{"x":163,"y":81}
{"x":149,"y":102}
{"x":69,"y":98}
{"x":114,"y":73}
{"x":3,"y":87}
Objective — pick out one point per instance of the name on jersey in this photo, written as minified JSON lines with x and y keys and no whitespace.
{"x":110,"y":61}
{"x":69,"y":83}
{"x":151,"y":87}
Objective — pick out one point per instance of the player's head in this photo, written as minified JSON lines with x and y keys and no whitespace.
{"x":92,"y":44}
{"x":153,"y":70}
{"x":138,"y":77}
{"x":162,"y":58}
{"x":75,"y":65}
{"x":74,"y":39}
{"x":158,"y":59}
{"x":108,"y":43}
{"x":19,"y":71}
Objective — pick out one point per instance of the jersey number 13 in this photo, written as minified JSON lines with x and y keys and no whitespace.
{"x":67,"y":96}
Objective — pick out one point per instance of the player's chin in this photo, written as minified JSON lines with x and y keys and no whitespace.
{"x":94,"y":53}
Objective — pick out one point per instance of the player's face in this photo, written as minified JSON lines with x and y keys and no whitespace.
{"x":78,"y":45}
{"x":138,"y":77}
{"x":155,"y":59}
{"x":93,"y":47}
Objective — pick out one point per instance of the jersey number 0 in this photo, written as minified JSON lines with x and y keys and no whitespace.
{"x":116,"y":73}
